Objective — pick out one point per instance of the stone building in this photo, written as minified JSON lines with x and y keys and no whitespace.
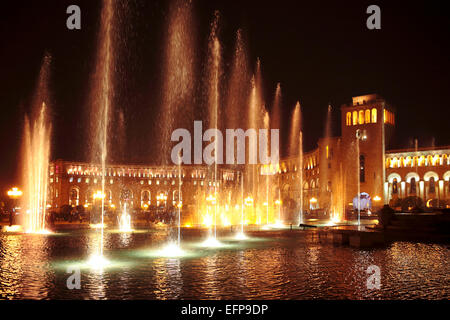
{"x":329,"y":181}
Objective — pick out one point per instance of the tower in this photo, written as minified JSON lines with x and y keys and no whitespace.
{"x":374,"y":120}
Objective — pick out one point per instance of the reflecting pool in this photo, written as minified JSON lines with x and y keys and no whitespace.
{"x":276,"y":264}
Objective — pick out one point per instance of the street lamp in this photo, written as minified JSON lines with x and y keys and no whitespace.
{"x":360,"y":135}
{"x":14,"y":194}
{"x":248,"y":201}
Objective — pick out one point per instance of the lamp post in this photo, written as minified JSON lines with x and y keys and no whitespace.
{"x":360,"y":135}
{"x":14,"y":194}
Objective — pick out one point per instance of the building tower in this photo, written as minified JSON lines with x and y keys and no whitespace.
{"x":375,"y":120}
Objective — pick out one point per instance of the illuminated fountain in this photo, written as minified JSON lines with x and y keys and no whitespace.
{"x":213,"y":91}
{"x":36,"y":156}
{"x":176,"y":108}
{"x":334,"y":193}
{"x":125,"y":220}
{"x":101,"y":101}
{"x":296,"y":147}
{"x":241,"y":235}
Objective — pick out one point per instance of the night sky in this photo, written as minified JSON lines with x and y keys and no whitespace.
{"x":320,"y":51}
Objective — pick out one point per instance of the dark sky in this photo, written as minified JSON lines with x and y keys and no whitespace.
{"x":320,"y":51}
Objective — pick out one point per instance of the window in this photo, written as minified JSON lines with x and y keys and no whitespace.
{"x":361,"y":116}
{"x":349,"y":119}
{"x":367,"y":116}
{"x":432,"y":185}
{"x":412,"y":189}
{"x":362,"y":168}
{"x":355,"y":118}
{"x":374,"y":115}
{"x":394,"y":186}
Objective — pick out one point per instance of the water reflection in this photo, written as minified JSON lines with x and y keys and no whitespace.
{"x":279,"y":267}
{"x":24,"y":267}
{"x":168,"y":278}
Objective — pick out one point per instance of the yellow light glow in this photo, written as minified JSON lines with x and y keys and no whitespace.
{"x":377,"y":198}
{"x":99,"y":195}
{"x":15,"y":193}
{"x":207,"y":220}
{"x":278,"y":202}
{"x":313,"y":200}
{"x":211,"y":199}
{"x":98,"y":262}
{"x":97,"y":226}
{"x":248,"y":201}
{"x":14,"y":228}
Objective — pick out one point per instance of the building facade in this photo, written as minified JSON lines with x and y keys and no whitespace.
{"x":332,"y":171}
{"x":326,"y":178}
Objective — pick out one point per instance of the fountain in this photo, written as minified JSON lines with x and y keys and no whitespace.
{"x":125,"y":220}
{"x":101,"y":101}
{"x":241,"y":235}
{"x":36,"y":154}
{"x":296,"y":147}
{"x":213,"y":91}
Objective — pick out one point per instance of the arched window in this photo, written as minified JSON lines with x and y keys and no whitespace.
{"x":432,"y":185}
{"x":176,"y":197}
{"x":74,"y":199}
{"x":412,"y":189}
{"x":362,"y":168}
{"x":374,"y":115}
{"x":349,"y":119}
{"x":361,"y":116}
{"x":394,"y":186}
{"x":355,"y":118}
{"x":367,"y":116}
{"x":145,"y":198}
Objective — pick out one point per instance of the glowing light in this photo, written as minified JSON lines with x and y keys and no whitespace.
{"x":240,"y":236}
{"x":97,"y":226}
{"x":212,"y":242}
{"x":211,"y":199}
{"x":313,"y":200}
{"x":187,"y":225}
{"x":171,"y":250}
{"x":14,"y":193}
{"x":98,"y":261}
{"x":335,"y":219}
{"x":248,"y":201}
{"x":44,"y":231}
{"x":225,"y":221}
{"x":99,"y":195}
{"x":207,"y":220}
{"x":278,"y":202}
{"x":377,"y":198}
{"x":14,"y":228}
{"x":278,"y":224}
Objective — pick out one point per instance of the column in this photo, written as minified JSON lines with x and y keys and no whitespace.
{"x":403,"y":188}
